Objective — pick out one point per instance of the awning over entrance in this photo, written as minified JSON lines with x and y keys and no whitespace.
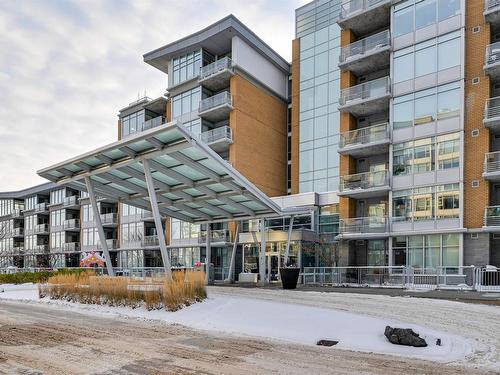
{"x":191,"y":181}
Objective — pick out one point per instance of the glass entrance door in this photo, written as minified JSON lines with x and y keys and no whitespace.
{"x":273,"y":263}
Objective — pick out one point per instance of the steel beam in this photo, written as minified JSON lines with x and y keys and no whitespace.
{"x":209,"y":254}
{"x":98,"y":222}
{"x":157,"y":218}
{"x":230,"y":276}
{"x":262,"y":254}
{"x":287,"y":251}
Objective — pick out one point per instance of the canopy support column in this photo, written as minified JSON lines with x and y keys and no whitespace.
{"x":157,"y":218}
{"x":262,"y":255}
{"x":287,"y":252}
{"x":98,"y":223}
{"x":208,"y":260}
{"x":230,"y":276}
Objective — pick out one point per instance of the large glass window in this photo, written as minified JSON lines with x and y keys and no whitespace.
{"x":403,"y":21}
{"x":403,"y":68}
{"x":186,"y":102}
{"x":425,"y":61}
{"x":448,"y":8}
{"x":448,"y":151}
{"x":425,"y":13}
{"x":186,"y":67}
{"x":449,"y":53}
{"x":403,"y":112}
{"x":425,"y":106}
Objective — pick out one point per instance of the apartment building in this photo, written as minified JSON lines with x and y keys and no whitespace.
{"x":386,"y":118}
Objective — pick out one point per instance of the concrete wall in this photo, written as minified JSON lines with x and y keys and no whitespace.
{"x":252,"y":62}
{"x":476,"y":250}
{"x":258,"y":123}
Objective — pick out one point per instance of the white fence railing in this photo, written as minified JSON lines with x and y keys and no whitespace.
{"x":465,"y":278}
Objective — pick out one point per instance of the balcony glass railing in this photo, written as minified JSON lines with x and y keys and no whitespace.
{"x":70,"y":201}
{"x":42,"y":228}
{"x":491,"y":4}
{"x":41,"y":248}
{"x":216,"y":67}
{"x":364,"y":136}
{"x":372,"y":224}
{"x":493,"y":53}
{"x":71,"y":246}
{"x":16,"y":232}
{"x":216,"y":101}
{"x":41,"y":207}
{"x":153,"y":123}
{"x":357,"y":6}
{"x":492,"y":108}
{"x":366,"y":91}
{"x":111,"y":244}
{"x":111,"y":218}
{"x":367,"y":45}
{"x":150,"y":241}
{"x":71,"y":224}
{"x":362,"y":181}
{"x":492,"y":216}
{"x":146,"y":215}
{"x":219,"y":235}
{"x":492,"y":162}
{"x":17,"y":213}
{"x":217,"y":134}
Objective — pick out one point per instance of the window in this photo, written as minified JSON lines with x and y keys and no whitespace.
{"x":448,"y":8}
{"x":425,"y":13}
{"x":403,"y":68}
{"x":186,"y":67}
{"x":448,"y":151}
{"x":57,"y":196}
{"x":402,"y":205}
{"x":402,"y":158}
{"x":403,"y":112}
{"x":448,"y":197}
{"x":425,"y":107}
{"x":425,"y":61}
{"x":449,"y":53}
{"x":449,"y":101}
{"x":186,"y":102}
{"x":403,"y":21}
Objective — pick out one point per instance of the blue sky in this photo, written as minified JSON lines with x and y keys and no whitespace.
{"x":67,"y":67}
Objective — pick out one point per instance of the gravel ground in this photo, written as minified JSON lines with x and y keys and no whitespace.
{"x":42,"y":339}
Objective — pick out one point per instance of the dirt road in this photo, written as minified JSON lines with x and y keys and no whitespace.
{"x":38,"y":339}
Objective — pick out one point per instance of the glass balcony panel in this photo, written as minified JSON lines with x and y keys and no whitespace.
{"x":365,"y":136}
{"x":372,"y":224}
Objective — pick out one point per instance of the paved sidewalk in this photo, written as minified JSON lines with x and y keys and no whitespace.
{"x":489,"y":298}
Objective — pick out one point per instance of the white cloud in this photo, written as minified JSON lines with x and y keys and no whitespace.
{"x":66,"y":68}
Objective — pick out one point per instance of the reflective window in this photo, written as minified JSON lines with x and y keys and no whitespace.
{"x":425,"y":13}
{"x":403,"y":113}
{"x":403,"y":68}
{"x":425,"y":61}
{"x":449,"y":53}
{"x":448,"y":8}
{"x":186,"y":102}
{"x":403,"y":21}
{"x":186,"y":67}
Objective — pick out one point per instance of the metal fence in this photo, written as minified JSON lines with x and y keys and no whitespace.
{"x":366,"y":91}
{"x":465,"y":278}
{"x":364,"y":46}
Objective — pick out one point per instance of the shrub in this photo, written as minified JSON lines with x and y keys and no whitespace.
{"x":35,"y":277}
{"x":185,"y":288}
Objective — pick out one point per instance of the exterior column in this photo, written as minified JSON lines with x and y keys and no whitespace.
{"x":157,"y":218}
{"x":287,"y":252}
{"x":262,"y":255}
{"x":230,"y":276}
{"x":98,"y":223}
{"x":208,"y":260}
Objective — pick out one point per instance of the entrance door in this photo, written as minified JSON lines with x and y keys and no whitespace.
{"x":273,"y":266}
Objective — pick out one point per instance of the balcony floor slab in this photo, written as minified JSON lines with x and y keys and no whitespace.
{"x":493,"y":70}
{"x":366,"y":193}
{"x":218,"y":81}
{"x":216,"y":114}
{"x":492,"y":16}
{"x":366,"y":107}
{"x":379,"y":16}
{"x":358,"y":150}
{"x":372,"y":61}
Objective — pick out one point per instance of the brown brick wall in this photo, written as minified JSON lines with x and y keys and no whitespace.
{"x":119,"y":129}
{"x":475,"y":199}
{"x":295,"y":114}
{"x":258,"y":123}
{"x":168,"y":110}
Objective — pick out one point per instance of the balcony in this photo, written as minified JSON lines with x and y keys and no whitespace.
{"x":109,"y":220}
{"x":219,"y":138}
{"x":365,"y":185}
{"x":153,"y":123}
{"x":364,"y":16}
{"x":41,"y":249}
{"x":216,"y":76}
{"x":147,"y":216}
{"x":367,"y":98}
{"x":219,"y":235}
{"x":491,"y":169}
{"x":71,"y":247}
{"x":17,"y":250}
{"x":112,"y":244}
{"x":150,"y":241}
{"x":216,"y":108}
{"x":17,"y":214}
{"x":71,"y":202}
{"x":363,"y":142}
{"x":17,"y":232}
{"x":492,"y":219}
{"x":41,"y":208}
{"x":492,"y":11}
{"x":367,"y":55}
{"x":492,"y":59}
{"x":364,"y":227}
{"x":42,"y":229}
{"x":71,"y":225}
{"x":491,"y":118}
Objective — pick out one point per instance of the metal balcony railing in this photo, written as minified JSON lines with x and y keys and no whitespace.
{"x":41,"y":248}
{"x":153,"y":123}
{"x":216,"y":67}
{"x":492,"y":162}
{"x":17,"y":213}
{"x":70,"y":201}
{"x":365,"y":91}
{"x":215,"y":101}
{"x":493,"y":53}
{"x":18,"y":249}
{"x":492,"y":108}
{"x":364,"y":46}
{"x":492,"y":216}
{"x":71,"y":246}
{"x":146,"y":215}
{"x":361,"y":181}
{"x":111,"y":243}
{"x":17,"y":232}
{"x":219,"y":235}
{"x":42,"y":228}
{"x":110,"y":218}
{"x":372,"y":224}
{"x":357,"y":6}
{"x":71,"y":224}
{"x":148,"y":241}
{"x":217,"y":134}
{"x":491,"y":4}
{"x":364,"y":136}
{"x":41,"y":207}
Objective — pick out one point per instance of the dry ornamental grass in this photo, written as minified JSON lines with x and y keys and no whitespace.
{"x":185,"y":288}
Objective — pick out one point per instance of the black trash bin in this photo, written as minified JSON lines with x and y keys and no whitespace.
{"x":289,"y":277}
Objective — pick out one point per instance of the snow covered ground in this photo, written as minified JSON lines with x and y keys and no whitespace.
{"x":293,"y":317}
